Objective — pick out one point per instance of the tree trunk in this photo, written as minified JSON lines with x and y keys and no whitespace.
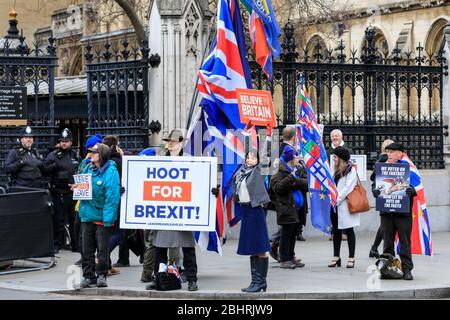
{"x":131,"y":14}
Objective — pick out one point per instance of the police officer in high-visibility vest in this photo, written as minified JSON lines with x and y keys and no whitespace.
{"x":24,"y":163}
{"x":61,"y":164}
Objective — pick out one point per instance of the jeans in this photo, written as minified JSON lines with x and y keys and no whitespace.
{"x":95,"y":237}
{"x":287,"y":241}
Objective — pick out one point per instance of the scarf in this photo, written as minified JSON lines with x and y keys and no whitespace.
{"x":298,"y":196}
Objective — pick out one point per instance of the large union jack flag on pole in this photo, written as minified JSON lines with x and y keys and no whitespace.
{"x":321,"y":184}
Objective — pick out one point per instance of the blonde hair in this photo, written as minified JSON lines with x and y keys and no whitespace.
{"x":339,"y":168}
{"x":385,"y":144}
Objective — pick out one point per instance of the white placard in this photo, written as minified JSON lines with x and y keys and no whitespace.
{"x":360,"y":162}
{"x":169,"y":193}
{"x":83,"y":191}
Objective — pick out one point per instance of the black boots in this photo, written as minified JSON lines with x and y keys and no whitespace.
{"x":259,"y":267}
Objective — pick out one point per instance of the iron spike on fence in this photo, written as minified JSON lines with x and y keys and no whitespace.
{"x":88,"y":55}
{"x":125,"y":52}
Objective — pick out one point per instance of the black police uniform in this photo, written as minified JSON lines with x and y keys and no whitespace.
{"x":61,"y":165}
{"x":398,"y":222}
{"x":24,"y":166}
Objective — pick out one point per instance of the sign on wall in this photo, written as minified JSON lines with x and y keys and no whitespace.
{"x":13,"y":103}
{"x":169,"y":193}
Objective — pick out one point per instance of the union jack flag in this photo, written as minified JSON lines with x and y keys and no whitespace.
{"x":421,"y":232}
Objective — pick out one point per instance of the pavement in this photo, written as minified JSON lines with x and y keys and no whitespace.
{"x":222,"y":277}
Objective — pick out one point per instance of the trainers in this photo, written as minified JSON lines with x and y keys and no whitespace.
{"x":287,"y":265}
{"x":373,"y":253}
{"x":298,"y":263}
{"x":87,"y":283}
{"x":192,"y":286}
{"x":101,"y":281}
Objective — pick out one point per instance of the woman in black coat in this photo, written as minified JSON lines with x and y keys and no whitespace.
{"x":288,"y":190}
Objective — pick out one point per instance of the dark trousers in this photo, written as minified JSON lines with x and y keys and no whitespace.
{"x":115,"y":239}
{"x":337,"y":237}
{"x":287,"y":241}
{"x":392,"y":223}
{"x":378,"y":239}
{"x":189,"y":261}
{"x":63,"y":212}
{"x":95,"y":237}
{"x":77,"y":233}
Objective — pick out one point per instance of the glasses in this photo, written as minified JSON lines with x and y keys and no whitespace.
{"x":93,"y":151}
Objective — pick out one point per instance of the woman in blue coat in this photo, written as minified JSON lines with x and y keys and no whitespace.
{"x":249,"y":191}
{"x":98,"y":215}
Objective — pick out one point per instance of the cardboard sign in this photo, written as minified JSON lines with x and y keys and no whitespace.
{"x":360,"y":164}
{"x":392,"y":181}
{"x":84,"y":188}
{"x":256,"y":106}
{"x":169,"y":193}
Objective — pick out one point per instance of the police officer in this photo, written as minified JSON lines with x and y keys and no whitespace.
{"x":24,"y":163}
{"x":61,"y":164}
{"x":396,"y":222}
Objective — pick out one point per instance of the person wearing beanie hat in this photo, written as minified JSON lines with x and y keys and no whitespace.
{"x":24,"y":164}
{"x":147,"y":152}
{"x":98,"y":216}
{"x":345,"y":178}
{"x":61,"y":164}
{"x":287,"y":189}
{"x":93,"y":140}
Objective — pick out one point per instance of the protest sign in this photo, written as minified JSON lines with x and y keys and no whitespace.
{"x":83,"y":191}
{"x":169,"y":193}
{"x":360,"y":164}
{"x":392,"y":181}
{"x":256,"y":106}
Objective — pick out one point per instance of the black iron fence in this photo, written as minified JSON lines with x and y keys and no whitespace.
{"x":117,"y":92}
{"x":370,"y":95}
{"x":21,"y":66}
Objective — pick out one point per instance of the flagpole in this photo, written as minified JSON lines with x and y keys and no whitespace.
{"x":205,"y":50}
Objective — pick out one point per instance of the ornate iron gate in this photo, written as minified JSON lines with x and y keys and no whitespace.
{"x":117,"y":93}
{"x":20,"y":66}
{"x":370,"y":97}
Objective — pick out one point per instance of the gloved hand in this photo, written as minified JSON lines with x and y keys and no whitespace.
{"x":376,"y":193}
{"x":122,"y":190}
{"x":215,"y":191}
{"x":410,"y":191}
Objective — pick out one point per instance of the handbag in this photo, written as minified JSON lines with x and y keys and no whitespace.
{"x":357,"y":199}
{"x":168,"y":279}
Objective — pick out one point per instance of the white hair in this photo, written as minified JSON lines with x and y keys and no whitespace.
{"x":338,"y":131}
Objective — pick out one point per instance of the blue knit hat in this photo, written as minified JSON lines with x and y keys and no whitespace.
{"x":93,"y":140}
{"x":288,"y":153}
{"x":147,"y":152}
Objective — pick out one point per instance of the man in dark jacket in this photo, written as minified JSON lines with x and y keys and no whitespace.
{"x":396,"y":222}
{"x":24,"y":163}
{"x":61,"y":164}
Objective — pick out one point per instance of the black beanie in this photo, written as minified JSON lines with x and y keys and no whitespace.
{"x":342,"y":153}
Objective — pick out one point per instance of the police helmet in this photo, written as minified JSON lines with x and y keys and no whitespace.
{"x":389,"y":267}
{"x":65,"y":135}
{"x":26,"y":132}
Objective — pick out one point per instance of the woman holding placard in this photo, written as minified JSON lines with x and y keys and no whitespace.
{"x":98,"y":215}
{"x":250,"y":194}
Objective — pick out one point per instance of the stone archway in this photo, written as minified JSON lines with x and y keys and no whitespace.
{"x":76,"y":65}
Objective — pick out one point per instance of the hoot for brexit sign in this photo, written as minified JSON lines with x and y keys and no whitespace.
{"x":256,"y":106}
{"x":169,"y":193}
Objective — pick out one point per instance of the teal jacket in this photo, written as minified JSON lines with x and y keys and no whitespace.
{"x":105,"y":195}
